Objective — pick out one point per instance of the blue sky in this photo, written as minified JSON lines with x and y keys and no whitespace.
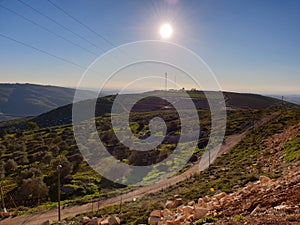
{"x":252,"y":46}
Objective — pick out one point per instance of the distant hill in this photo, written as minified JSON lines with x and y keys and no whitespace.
{"x":289,"y":98}
{"x":22,"y":100}
{"x":63,"y":115}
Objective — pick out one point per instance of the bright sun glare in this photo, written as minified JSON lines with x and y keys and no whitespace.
{"x":166,"y":31}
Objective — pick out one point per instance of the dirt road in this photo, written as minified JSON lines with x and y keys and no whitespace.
{"x":40,"y":217}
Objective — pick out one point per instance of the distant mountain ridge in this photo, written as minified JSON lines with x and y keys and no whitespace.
{"x":289,"y":98}
{"x":21,"y":100}
{"x":63,"y":115}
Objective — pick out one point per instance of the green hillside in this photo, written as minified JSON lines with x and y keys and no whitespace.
{"x":240,"y":166}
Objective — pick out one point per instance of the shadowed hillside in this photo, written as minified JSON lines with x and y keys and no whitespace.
{"x":21,"y":100}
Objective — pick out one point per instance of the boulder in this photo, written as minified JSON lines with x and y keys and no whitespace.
{"x":224,"y":201}
{"x":156,"y":213}
{"x":264,"y":179}
{"x":180,"y":209}
{"x":166,"y":213}
{"x":104,"y":222}
{"x":191,"y":203}
{"x":190,"y":218}
{"x":220,"y":195}
{"x":153,"y":220}
{"x":177,"y":222}
{"x":200,"y":213}
{"x":187,"y":210}
{"x":85,"y":220}
{"x":206,"y":199}
{"x":170,"y":204}
{"x":114,"y":220}
{"x":200,"y":201}
{"x":178,"y":201}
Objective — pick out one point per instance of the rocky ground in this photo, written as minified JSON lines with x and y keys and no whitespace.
{"x":263,"y":202}
{"x":266,"y":201}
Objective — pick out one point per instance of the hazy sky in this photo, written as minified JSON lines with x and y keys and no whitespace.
{"x":252,"y":46}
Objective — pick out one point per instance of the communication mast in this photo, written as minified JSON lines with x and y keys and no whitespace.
{"x":166,"y":81}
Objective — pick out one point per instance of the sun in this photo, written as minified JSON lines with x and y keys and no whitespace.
{"x":166,"y":31}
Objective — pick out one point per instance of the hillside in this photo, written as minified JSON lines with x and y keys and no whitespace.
{"x":29,"y":155}
{"x":21,"y":100}
{"x":271,"y":149}
{"x":234,"y":101}
{"x":256,"y":182}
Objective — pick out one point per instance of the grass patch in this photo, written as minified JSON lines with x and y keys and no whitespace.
{"x":292,"y":149}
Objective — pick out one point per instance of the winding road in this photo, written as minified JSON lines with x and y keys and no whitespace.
{"x":41,"y":217}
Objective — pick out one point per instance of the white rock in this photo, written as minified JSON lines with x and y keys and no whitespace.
{"x":85,"y":220}
{"x":104,"y":222}
{"x":170,"y":204}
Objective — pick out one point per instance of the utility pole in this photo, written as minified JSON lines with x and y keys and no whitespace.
{"x":58,"y":189}
{"x":175,"y":83}
{"x":121,"y":201}
{"x":1,"y":192}
{"x":281,"y":110}
{"x":209,"y":157}
{"x":2,"y":197}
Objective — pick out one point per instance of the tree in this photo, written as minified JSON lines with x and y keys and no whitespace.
{"x":10,"y":165}
{"x":32,"y":126}
{"x":32,"y":172}
{"x":34,"y":188}
{"x":67,"y":167}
